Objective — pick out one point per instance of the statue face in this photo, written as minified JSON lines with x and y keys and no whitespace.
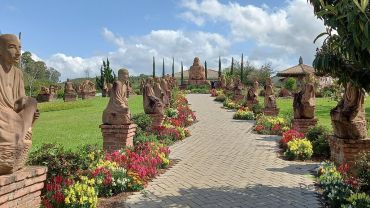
{"x":196,"y":61}
{"x":10,"y":49}
{"x":123,"y":74}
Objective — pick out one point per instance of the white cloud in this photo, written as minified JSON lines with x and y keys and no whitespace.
{"x":286,"y":32}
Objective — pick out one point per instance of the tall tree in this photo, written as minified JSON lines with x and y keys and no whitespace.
{"x":163,"y":71}
{"x":219,"y":66}
{"x":107,"y":75}
{"x":345,"y":53}
{"x":241,"y":68}
{"x":182,"y":74}
{"x":232,"y":66}
{"x":205,"y":69}
{"x":33,"y":70}
{"x":173,"y":67}
{"x":153,"y":67}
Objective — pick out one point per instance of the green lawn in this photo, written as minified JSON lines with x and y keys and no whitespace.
{"x":323,"y":106}
{"x":77,"y":125}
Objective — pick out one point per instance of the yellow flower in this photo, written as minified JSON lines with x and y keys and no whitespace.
{"x":66,"y":200}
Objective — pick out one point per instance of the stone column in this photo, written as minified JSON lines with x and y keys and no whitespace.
{"x":116,"y":137}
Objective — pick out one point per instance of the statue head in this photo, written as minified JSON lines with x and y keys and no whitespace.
{"x":268,"y":81}
{"x":123,"y":75}
{"x":157,"y":79}
{"x":196,"y":61}
{"x":10,"y":49}
{"x":255,"y":84}
{"x":149,"y":80}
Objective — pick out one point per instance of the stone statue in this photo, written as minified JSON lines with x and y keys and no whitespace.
{"x":270,"y":101}
{"x":222,"y":82}
{"x":68,"y":88}
{"x":117,"y":111}
{"x":348,"y":117}
{"x":252,"y":95}
{"x":238,"y":87}
{"x":158,"y":92}
{"x":123,"y":76}
{"x":44,"y":90}
{"x":305,"y":101}
{"x":152,"y":104}
{"x":17,"y":112}
{"x":87,"y":89}
{"x":230,"y":85}
{"x":196,"y":71}
{"x":166,"y":91}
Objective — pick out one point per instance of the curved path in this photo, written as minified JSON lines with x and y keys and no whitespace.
{"x":223,"y":164}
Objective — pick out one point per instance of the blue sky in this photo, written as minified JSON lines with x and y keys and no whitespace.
{"x":74,"y":36}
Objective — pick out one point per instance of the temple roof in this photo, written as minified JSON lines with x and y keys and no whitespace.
{"x":297,"y":71}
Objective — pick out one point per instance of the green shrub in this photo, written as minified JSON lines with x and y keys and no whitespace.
{"x":199,"y":91}
{"x":358,"y":200}
{"x":220,"y":98}
{"x":290,"y":84}
{"x":362,"y":167}
{"x":319,"y":136}
{"x":257,"y":108}
{"x":171,"y":112}
{"x":229,"y":104}
{"x":300,"y":149}
{"x":142,"y":138}
{"x":58,"y":106}
{"x":143,"y":121}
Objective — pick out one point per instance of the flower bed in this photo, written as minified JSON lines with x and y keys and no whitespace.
{"x":269,"y":125}
{"x":230,"y":104}
{"x":243,"y":114}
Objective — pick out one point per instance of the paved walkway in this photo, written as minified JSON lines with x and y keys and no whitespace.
{"x":223,"y":164}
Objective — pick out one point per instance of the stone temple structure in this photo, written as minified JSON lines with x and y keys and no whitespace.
{"x":197,"y":75}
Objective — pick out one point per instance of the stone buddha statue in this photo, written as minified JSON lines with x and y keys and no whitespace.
{"x":117,"y":111}
{"x":348,"y":117}
{"x":152,"y":104}
{"x":44,"y":90}
{"x":17,"y":112}
{"x":252,"y":95}
{"x":196,"y":71}
{"x":166,"y":91}
{"x":238,"y":86}
{"x":68,"y":88}
{"x":270,"y":100}
{"x":123,"y":76}
{"x":305,"y":101}
{"x":88,"y":86}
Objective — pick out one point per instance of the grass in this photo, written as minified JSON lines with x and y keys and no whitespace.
{"x":323,"y":107}
{"x":73,"y":124}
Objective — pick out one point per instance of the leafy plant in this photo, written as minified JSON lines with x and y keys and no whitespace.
{"x":362,"y":167}
{"x":106,"y":75}
{"x":143,"y":121}
{"x":300,"y":149}
{"x":220,"y":98}
{"x":319,"y":136}
{"x":289,"y":136}
{"x":290,"y":84}
{"x":243,"y":114}
{"x":358,"y":200}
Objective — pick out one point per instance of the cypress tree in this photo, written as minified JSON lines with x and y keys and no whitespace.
{"x":153,"y":67}
{"x":232,"y":66}
{"x":219,"y":66}
{"x":182,"y":74}
{"x":205,"y":69}
{"x":163,"y":72}
{"x":173,"y":67}
{"x":241,"y":69}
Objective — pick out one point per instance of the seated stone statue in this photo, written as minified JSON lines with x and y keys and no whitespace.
{"x":88,"y":86}
{"x":152,"y":104}
{"x":117,"y":111}
{"x":44,"y":90}
{"x":305,"y":101}
{"x":196,"y":71}
{"x":123,"y":76}
{"x":238,"y":86}
{"x":252,"y":95}
{"x":270,"y":101}
{"x":17,"y":112}
{"x":68,"y":88}
{"x":348,"y":117}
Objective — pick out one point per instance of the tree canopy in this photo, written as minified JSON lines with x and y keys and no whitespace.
{"x":345,"y":52}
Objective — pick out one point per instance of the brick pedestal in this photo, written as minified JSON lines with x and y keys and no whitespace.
{"x":70,"y":97}
{"x":198,"y":82}
{"x":271,"y":111}
{"x":346,"y":150}
{"x":157,"y":119}
{"x":22,"y":188}
{"x":44,"y":98}
{"x":116,"y":137}
{"x":303,"y":125}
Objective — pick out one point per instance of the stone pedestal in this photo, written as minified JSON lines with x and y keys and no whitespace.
{"x":271,"y":111}
{"x":44,"y":98}
{"x":303,"y":125}
{"x":116,"y":137}
{"x":22,"y":188}
{"x":70,"y":97}
{"x":157,"y":119}
{"x":346,"y":150}
{"x":87,"y":95}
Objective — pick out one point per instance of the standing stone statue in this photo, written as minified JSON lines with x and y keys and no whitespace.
{"x":305,"y":101}
{"x":166,"y":91}
{"x":117,"y":111}
{"x":158,"y":92}
{"x":270,"y":100}
{"x":222,"y":82}
{"x":17,"y":112}
{"x":197,"y":75}
{"x":252,"y":95}
{"x":152,"y":104}
{"x":348,"y":117}
{"x":69,"y":92}
{"x":123,"y":76}
{"x":238,"y":88}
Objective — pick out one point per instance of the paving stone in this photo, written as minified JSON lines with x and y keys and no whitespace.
{"x":223,"y":164}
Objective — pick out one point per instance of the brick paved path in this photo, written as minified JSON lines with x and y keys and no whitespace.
{"x":223,"y":164}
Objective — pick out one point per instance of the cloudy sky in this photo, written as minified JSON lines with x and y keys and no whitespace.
{"x":75,"y":36}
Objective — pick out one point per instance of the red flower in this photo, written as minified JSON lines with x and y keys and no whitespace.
{"x":259,"y":128}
